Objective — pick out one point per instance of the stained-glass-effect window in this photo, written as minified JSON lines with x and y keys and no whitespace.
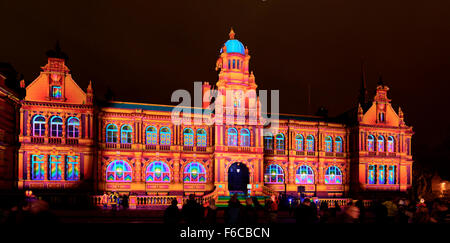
{"x":370,"y":143}
{"x":338,"y":145}
{"x":310,"y":143}
{"x":56,"y":92}
{"x":391,"y":144}
{"x":56,"y":124}
{"x":118,"y":171}
{"x":372,"y":174}
{"x":268,"y":141}
{"x":73,"y":127}
{"x":56,"y":165}
{"x":328,"y":144}
{"x":151,"y":136}
{"x":380,"y":144}
{"x":274,"y":174}
{"x":333,"y":175}
{"x":111,"y":133}
{"x":201,"y":138}
{"x":126,"y":134}
{"x":37,"y":167}
{"x":164,"y":136}
{"x":279,"y":141}
{"x":38,"y":126}
{"x":157,"y":171}
{"x":72,"y":168}
{"x":391,"y":174}
{"x":188,"y":137}
{"x":245,"y":137}
{"x":299,"y":142}
{"x":381,"y":174}
{"x":304,"y":175}
{"x":194,"y":172}
{"x":232,"y":137}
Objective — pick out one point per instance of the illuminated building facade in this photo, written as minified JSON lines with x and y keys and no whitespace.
{"x":141,"y":148}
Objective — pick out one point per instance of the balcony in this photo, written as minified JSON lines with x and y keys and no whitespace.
{"x":125,"y":145}
{"x":339,"y":154}
{"x":111,"y":145}
{"x":72,"y":141}
{"x":268,"y":151}
{"x":280,"y":152}
{"x":188,"y":148}
{"x":37,"y":140}
{"x":164,"y":147}
{"x":300,"y":153}
{"x":54,"y":140}
{"x":201,"y":149}
{"x":150,"y":147}
{"x":329,"y":154}
{"x":311,"y":153}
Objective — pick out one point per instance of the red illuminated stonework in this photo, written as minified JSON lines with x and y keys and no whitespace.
{"x":137,"y":148}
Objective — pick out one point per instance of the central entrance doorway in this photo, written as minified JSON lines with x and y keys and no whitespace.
{"x":238,"y":177}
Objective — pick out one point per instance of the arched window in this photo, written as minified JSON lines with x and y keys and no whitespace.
{"x":372,"y":174}
{"x":111,"y":133}
{"x":299,"y":142}
{"x":381,"y":115}
{"x":380,"y":144}
{"x":245,"y":137}
{"x":126,"y":134}
{"x":338,"y":144}
{"x":328,"y":144}
{"x":381,"y":174}
{"x":188,"y":137}
{"x":391,"y":144}
{"x":201,"y":138}
{"x":118,"y":171}
{"x":304,"y":175}
{"x":37,"y":167}
{"x":157,"y":171}
{"x":56,"y":124}
{"x":194,"y":172}
{"x":38,"y":126}
{"x":234,"y":63}
{"x":310,"y":143}
{"x":333,"y":175}
{"x":268,"y":141}
{"x":73,"y":127}
{"x":232,"y":137}
{"x":151,"y":135}
{"x":280,"y":141}
{"x":56,"y":165}
{"x":391,"y":174}
{"x":274,"y":174}
{"x":370,"y":143}
{"x":72,"y":168}
{"x":164,"y":136}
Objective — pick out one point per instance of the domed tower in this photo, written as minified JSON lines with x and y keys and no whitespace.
{"x":238,"y":127}
{"x":236,"y":83}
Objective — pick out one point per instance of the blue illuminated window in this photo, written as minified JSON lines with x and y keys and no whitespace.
{"x":151,"y":135}
{"x":126,"y":134}
{"x":304,"y":175}
{"x":328,"y":144}
{"x":338,"y":145}
{"x":38,"y":126}
{"x":274,"y":174}
{"x":56,"y":124}
{"x":245,"y":137}
{"x":232,"y":137}
{"x":391,"y":144}
{"x":370,"y":143}
{"x":188,"y":137}
{"x":299,"y":142}
{"x":372,"y":174}
{"x":268,"y":141}
{"x":380,"y":144}
{"x":201,"y":138}
{"x":333,"y":175}
{"x":194,"y":172}
{"x":119,"y":171}
{"x":73,"y":127}
{"x":111,"y":133}
{"x":56,"y":92}
{"x":165,"y":136}
{"x":37,"y":167}
{"x":310,"y":143}
{"x":157,"y":171}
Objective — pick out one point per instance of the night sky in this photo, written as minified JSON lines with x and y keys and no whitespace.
{"x":144,"y":50}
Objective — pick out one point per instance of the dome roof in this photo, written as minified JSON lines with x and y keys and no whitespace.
{"x":233,"y":46}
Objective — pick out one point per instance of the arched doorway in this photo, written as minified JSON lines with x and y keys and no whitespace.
{"x":238,"y":177}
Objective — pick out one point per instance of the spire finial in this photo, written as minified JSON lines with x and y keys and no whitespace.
{"x":231,"y":34}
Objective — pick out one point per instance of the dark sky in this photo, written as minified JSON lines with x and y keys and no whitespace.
{"x":144,"y":50}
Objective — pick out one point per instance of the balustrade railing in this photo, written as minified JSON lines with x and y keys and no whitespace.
{"x":150,"y":147}
{"x":164,"y":147}
{"x":37,"y":139}
{"x":54,"y":140}
{"x":111,"y":145}
{"x":300,"y":153}
{"x":72,"y":141}
{"x":311,"y":153}
{"x":330,"y":154}
{"x":188,"y":148}
{"x":125,"y":145}
{"x":141,"y":201}
{"x":201,"y":149}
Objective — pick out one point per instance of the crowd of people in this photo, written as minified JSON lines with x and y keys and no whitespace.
{"x":308,"y":211}
{"x":115,"y":200}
